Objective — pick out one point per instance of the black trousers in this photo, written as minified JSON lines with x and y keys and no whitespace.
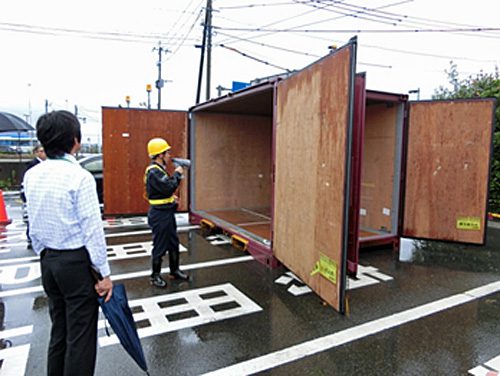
{"x":164,"y":229}
{"x":73,"y":308}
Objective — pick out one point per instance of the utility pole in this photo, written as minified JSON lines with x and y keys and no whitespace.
{"x":159,"y":83}
{"x":209,"y":46}
{"x":202,"y":55}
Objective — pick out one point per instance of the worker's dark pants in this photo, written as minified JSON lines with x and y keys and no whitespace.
{"x":164,"y":228}
{"x":73,"y":308}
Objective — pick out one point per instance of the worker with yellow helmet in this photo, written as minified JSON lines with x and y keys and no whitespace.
{"x":160,"y":188}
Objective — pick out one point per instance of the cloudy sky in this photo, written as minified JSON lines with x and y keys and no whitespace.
{"x":93,"y":53}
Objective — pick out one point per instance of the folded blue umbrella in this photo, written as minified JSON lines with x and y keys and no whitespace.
{"x":119,"y":316}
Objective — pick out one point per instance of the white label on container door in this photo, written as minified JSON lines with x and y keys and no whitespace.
{"x":125,"y":134}
{"x":386,"y":211}
{"x":362,"y":212}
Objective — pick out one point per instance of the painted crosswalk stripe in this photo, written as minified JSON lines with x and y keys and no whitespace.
{"x":331,"y":341}
{"x":170,"y":312}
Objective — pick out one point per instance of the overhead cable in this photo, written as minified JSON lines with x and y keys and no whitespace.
{"x":114,"y":36}
{"x":254,"y":58}
{"x":390,"y":31}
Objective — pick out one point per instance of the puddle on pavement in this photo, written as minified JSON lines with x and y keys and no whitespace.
{"x":455,"y":256}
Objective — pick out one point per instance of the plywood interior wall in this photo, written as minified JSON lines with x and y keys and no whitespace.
{"x":126,"y":133}
{"x":311,"y":131}
{"x":233,"y":156}
{"x":448,"y":169}
{"x":378,"y":164}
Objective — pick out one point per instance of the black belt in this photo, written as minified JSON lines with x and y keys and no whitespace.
{"x":51,"y":250}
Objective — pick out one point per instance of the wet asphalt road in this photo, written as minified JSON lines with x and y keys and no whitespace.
{"x":412,"y":314}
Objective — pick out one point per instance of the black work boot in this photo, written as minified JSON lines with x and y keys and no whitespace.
{"x":156,"y":279}
{"x":175,"y":272}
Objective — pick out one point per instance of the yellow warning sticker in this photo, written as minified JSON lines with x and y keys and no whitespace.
{"x":327,"y":268}
{"x":469,"y":223}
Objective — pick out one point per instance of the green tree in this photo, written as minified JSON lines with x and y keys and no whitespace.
{"x":482,"y":85}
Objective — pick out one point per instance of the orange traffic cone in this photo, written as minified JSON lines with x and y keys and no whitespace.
{"x":3,"y":213}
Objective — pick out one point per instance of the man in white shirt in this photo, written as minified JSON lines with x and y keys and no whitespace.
{"x":66,"y":231}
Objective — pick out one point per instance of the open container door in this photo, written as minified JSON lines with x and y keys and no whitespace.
{"x":447,"y":170}
{"x":356,"y":169}
{"x":314,"y":118}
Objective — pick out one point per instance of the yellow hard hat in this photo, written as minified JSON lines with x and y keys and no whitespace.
{"x":157,"y":146}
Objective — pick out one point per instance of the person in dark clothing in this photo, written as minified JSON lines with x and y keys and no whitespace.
{"x":40,"y":156}
{"x":160,"y":188}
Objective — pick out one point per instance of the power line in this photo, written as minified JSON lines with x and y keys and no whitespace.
{"x":257,"y":5}
{"x":103,"y":35}
{"x":255,"y":58}
{"x":354,"y":31}
{"x":179,"y":45}
{"x":296,"y":52}
{"x":283,"y":20}
{"x":338,"y":10}
{"x":196,"y":13}
{"x":315,"y":22}
{"x":401,"y":19}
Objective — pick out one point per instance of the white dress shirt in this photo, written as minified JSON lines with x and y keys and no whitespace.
{"x":63,"y":209}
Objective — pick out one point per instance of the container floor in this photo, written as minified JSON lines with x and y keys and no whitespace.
{"x":367,"y":234}
{"x":256,"y":221}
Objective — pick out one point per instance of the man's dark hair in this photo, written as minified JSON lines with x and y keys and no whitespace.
{"x":57,"y":131}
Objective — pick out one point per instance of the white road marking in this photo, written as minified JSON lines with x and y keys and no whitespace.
{"x":21,"y":273}
{"x":367,"y":276}
{"x":15,"y":332}
{"x":124,"y":222}
{"x":119,"y":277}
{"x":482,"y":371}
{"x":200,"y":265}
{"x":115,"y":252}
{"x":219,"y":239}
{"x":299,"y":290}
{"x":492,"y":364}
{"x":9,"y":237}
{"x":283,"y":280}
{"x":170,"y":312}
{"x":331,"y":341}
{"x":14,"y":360}
{"x":181,"y":219}
{"x":133,"y":250}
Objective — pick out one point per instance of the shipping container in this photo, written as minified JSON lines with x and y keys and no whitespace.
{"x":308,"y":169}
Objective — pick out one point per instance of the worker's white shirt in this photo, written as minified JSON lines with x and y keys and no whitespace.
{"x":63,"y":209}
